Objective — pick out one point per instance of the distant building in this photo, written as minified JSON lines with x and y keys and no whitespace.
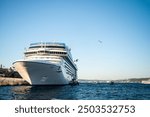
{"x":145,"y":82}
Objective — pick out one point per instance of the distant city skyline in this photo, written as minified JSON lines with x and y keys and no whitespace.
{"x":111,"y":38}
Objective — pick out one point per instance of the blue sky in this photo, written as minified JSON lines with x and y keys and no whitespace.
{"x":123,"y":26}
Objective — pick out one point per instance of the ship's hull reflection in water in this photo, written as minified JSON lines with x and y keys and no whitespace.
{"x":41,"y":92}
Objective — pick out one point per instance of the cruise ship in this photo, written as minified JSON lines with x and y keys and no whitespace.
{"x":47,"y":63}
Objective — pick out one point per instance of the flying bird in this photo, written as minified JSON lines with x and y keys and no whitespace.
{"x":99,"y":41}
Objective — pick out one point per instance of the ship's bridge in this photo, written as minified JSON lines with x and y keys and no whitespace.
{"x":47,"y":45}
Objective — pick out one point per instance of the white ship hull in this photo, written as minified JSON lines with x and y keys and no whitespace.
{"x":39,"y":73}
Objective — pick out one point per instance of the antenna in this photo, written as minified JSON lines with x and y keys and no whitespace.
{"x":76,"y":60}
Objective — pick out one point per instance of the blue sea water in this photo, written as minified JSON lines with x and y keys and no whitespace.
{"x":83,"y":91}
